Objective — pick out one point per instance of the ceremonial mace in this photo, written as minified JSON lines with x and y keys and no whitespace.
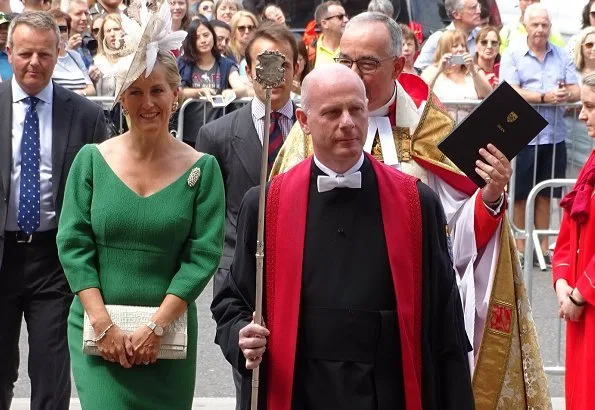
{"x":269,"y":74}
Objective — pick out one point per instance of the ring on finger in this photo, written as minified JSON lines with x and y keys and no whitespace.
{"x":488,"y":179}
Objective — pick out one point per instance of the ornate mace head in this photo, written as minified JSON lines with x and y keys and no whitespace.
{"x":269,"y":70}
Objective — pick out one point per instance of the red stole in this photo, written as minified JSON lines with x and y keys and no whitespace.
{"x":287,"y":204}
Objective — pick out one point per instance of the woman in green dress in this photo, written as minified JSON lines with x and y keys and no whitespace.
{"x":142,"y":225}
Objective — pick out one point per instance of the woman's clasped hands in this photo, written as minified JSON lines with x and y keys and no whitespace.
{"x":138,"y":348}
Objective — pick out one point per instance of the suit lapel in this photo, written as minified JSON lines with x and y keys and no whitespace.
{"x":61,"y":116}
{"x":246,"y":143}
{"x":6,"y":135}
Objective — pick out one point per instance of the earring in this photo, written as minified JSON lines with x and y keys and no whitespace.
{"x":124,"y":111}
{"x":175,"y":106}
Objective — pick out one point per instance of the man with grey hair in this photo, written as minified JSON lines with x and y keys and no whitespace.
{"x":406,"y":122}
{"x":48,"y":125}
{"x":516,"y":30}
{"x":382,"y":6}
{"x":465,"y":16}
{"x":375,"y":327}
{"x":542,"y":73}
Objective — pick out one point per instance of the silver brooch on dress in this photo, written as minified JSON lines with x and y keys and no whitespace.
{"x":193,"y":177}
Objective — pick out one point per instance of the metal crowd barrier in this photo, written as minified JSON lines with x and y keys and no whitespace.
{"x":106,"y":103}
{"x":182,"y":117}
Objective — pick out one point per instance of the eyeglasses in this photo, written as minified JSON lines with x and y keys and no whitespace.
{"x":337,"y":16}
{"x":63,"y":29}
{"x":245,"y":28}
{"x":489,"y":43}
{"x":95,"y":30}
{"x":365,"y":65}
{"x":589,"y":45}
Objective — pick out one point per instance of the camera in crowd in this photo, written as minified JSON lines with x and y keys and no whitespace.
{"x":89,"y":43}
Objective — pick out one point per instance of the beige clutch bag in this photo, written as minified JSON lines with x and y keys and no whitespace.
{"x":174,"y":342}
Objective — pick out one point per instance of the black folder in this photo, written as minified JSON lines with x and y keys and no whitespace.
{"x":504,"y":119}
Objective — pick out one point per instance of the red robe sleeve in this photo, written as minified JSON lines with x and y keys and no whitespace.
{"x":562,"y":253}
{"x":485,"y":222}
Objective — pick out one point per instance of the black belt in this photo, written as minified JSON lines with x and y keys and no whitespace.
{"x":21,"y":237}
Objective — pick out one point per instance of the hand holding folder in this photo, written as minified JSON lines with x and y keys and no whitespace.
{"x":503,"y":119}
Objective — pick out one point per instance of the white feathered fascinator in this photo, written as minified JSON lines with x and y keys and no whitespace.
{"x":155,"y":27}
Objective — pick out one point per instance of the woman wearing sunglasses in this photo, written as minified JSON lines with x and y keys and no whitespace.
{"x":487,"y":57}
{"x":587,"y":20}
{"x":584,"y":53}
{"x":70,"y":71}
{"x":242,"y":24}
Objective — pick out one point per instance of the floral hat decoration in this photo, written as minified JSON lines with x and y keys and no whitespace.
{"x":139,"y":53}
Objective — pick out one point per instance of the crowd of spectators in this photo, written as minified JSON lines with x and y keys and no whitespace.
{"x":460,"y":62}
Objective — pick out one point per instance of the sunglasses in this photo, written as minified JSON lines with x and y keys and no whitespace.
{"x":589,"y":45}
{"x":245,"y":28}
{"x":95,"y":30}
{"x":337,"y":16}
{"x":63,"y":29}
{"x":489,"y":43}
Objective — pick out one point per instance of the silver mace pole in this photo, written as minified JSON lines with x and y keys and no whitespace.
{"x":269,"y":74}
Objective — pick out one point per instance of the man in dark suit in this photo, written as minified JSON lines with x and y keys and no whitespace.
{"x":236,"y":138}
{"x":48,"y":124}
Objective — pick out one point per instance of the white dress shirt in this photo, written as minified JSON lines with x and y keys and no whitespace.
{"x":286,"y":120}
{"x":44,"y":112}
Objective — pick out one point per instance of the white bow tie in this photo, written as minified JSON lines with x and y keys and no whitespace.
{"x":326,"y":183}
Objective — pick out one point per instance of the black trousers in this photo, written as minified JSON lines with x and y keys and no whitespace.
{"x":33,"y":285}
{"x":218,"y":279}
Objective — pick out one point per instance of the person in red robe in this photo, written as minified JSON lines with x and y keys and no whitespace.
{"x":361,"y":305}
{"x":574,"y":271}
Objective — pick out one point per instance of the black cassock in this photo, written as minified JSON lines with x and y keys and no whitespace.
{"x":348,"y":350}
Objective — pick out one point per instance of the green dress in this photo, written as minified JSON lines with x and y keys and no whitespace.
{"x":136,"y":250}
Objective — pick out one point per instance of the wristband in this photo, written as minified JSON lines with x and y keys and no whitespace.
{"x":576,"y":302}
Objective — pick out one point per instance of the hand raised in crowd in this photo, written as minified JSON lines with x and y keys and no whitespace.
{"x":252,"y":342}
{"x":94,"y":73}
{"x":561,"y":95}
{"x":116,"y":347}
{"x":469,"y":62}
{"x":145,"y":344}
{"x":74,"y":42}
{"x":496,"y":171}
{"x":444,"y":62}
{"x":568,"y":310}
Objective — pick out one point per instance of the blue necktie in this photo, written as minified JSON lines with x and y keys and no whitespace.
{"x":29,"y":199}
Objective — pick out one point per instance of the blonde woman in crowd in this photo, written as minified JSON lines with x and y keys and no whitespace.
{"x":109,"y":39}
{"x":453,"y":74}
{"x":242,"y":24}
{"x":584,"y":52}
{"x":225,"y":10}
